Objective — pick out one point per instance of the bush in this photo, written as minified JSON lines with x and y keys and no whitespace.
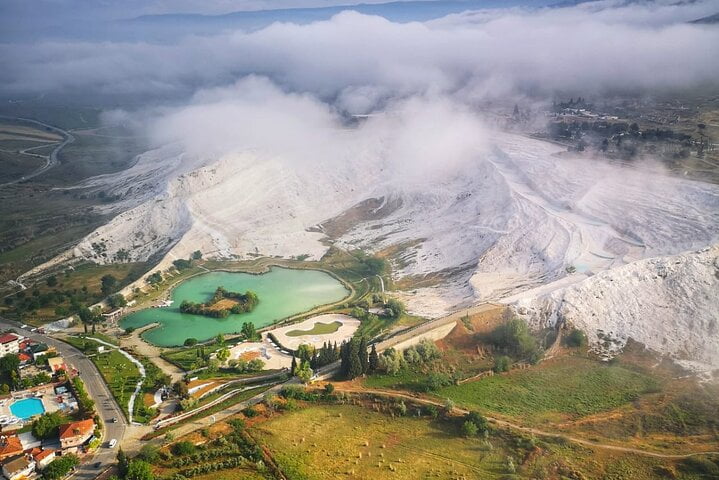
{"x":576,"y":339}
{"x":184,"y":448}
{"x":469,"y":429}
{"x":501,"y":364}
{"x":514,"y":338}
{"x":60,"y":467}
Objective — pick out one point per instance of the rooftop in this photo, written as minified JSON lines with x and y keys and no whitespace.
{"x":8,"y":337}
{"x":74,"y":429}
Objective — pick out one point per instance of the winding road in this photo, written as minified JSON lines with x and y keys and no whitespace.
{"x":106,"y":406}
{"x":50,"y":160}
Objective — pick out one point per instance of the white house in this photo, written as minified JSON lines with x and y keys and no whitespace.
{"x":19,"y":467}
{"x":9,"y":343}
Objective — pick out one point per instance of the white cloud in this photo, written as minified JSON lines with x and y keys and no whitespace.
{"x":361,"y":59}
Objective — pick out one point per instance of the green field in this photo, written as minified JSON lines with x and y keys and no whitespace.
{"x":120,"y":374}
{"x":571,"y":386}
{"x":415,"y":448}
{"x":319,"y":328}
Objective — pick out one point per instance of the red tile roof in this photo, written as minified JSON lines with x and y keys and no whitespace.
{"x":8,"y":337}
{"x":75,"y":429}
{"x":24,"y":357}
{"x":42,"y":454}
{"x":10,"y":445}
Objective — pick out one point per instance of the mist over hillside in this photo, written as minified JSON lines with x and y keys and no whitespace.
{"x":301,"y":115}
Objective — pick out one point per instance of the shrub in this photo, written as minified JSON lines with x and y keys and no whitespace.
{"x":501,"y":364}
{"x":190,"y":342}
{"x":469,"y":429}
{"x":184,"y":448}
{"x":576,"y":338}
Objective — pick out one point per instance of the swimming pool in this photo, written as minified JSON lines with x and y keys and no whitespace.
{"x":27,"y":408}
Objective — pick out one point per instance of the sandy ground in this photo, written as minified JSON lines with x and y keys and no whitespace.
{"x":268,"y":353}
{"x":346,"y":330}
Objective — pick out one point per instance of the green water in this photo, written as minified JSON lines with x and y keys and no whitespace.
{"x":282,"y":293}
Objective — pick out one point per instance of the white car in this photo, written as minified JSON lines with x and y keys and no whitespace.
{"x":113,"y":442}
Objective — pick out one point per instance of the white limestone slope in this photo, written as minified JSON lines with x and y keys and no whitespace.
{"x":513,"y":217}
{"x":670,"y":304}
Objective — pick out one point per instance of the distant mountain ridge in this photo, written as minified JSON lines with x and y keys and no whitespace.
{"x":708,"y":20}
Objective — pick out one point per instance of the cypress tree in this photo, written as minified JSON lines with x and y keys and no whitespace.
{"x":373,"y":359}
{"x":362,"y":353}
{"x":293,"y":367}
{"x":344,"y":356}
{"x":123,"y":463}
{"x":355,"y":362}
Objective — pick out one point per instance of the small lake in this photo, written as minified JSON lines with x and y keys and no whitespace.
{"x":282,"y":292}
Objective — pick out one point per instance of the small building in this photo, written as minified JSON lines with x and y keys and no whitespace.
{"x":43,"y":458}
{"x":38,"y":350}
{"x":114,"y":314}
{"x":10,"y":446}
{"x":9,"y":343}
{"x":24,"y":358}
{"x":56,"y":363}
{"x":18,"y":467}
{"x":76,"y":433}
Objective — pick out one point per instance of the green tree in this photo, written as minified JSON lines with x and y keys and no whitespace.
{"x":47,"y":425}
{"x":196,"y":255}
{"x":223,"y":354}
{"x":304,"y":372}
{"x":60,"y":467}
{"x":190,"y":342}
{"x":293,"y":366}
{"x":123,"y":463}
{"x":117,"y":300}
{"x":501,"y":364}
{"x":107,"y":284}
{"x":396,"y":308}
{"x":139,"y":470}
{"x":469,"y":429}
{"x":249,"y":331}
{"x":373,"y":359}
{"x":51,"y":281}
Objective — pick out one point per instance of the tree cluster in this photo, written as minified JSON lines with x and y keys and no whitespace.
{"x":60,"y":467}
{"x":47,"y":425}
{"x":515,"y":339}
{"x":354,"y":358}
{"x":246,"y":302}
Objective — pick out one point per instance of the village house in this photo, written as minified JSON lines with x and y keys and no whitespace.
{"x":113,"y":315}
{"x":73,"y":435}
{"x":9,"y":343}
{"x":43,"y":458}
{"x":10,"y":446}
{"x":19,"y":467}
{"x":56,"y":363}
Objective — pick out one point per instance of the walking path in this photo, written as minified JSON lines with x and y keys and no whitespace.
{"x":533,"y":431}
{"x":140,"y":367}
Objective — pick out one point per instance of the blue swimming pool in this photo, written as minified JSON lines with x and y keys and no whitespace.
{"x":27,"y":408}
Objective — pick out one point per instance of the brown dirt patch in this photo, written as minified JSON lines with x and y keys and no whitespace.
{"x":224,"y":304}
{"x":247,"y":356}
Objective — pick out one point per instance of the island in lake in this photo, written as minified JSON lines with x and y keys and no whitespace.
{"x":222,"y":304}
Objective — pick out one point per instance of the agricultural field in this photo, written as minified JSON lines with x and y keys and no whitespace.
{"x":368,"y":444}
{"x":562,"y":389}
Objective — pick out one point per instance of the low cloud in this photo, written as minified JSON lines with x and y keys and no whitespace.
{"x":359,"y":60}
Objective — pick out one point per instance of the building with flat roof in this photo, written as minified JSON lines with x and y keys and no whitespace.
{"x":19,"y":467}
{"x":9,"y":343}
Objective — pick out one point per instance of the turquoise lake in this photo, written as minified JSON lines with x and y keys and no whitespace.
{"x":282,"y":292}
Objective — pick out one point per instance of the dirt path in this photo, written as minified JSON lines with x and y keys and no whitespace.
{"x":534,"y":431}
{"x":137,"y":344}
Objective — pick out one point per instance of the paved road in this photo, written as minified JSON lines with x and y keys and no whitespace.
{"x":106,"y":405}
{"x":51,"y":160}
